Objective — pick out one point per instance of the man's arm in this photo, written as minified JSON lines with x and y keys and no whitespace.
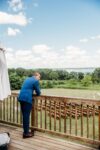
{"x":37,"y":88}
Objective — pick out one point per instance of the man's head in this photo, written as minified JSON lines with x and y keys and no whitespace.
{"x":37,"y":75}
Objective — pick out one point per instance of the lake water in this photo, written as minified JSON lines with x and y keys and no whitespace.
{"x":84,"y":70}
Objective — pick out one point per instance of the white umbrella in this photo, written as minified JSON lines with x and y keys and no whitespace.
{"x":4,"y":79}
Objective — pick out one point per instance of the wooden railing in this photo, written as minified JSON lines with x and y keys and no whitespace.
{"x":10,"y":111}
{"x":69,"y":117}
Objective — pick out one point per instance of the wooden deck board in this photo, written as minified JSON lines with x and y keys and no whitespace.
{"x":14,"y":148}
{"x":39,"y":141}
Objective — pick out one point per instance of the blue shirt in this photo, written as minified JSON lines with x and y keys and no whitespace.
{"x":30,"y":85}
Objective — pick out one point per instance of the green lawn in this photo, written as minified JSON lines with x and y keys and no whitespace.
{"x":91,"y":94}
{"x":72,"y":126}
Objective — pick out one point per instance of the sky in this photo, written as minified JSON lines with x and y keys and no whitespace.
{"x":50,"y":33}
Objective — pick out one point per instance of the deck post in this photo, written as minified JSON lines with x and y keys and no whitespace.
{"x":33,"y":116}
{"x":99,"y":122}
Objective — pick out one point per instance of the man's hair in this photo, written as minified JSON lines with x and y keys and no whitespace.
{"x":36,"y":73}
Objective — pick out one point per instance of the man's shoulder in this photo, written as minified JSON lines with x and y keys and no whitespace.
{"x":29,"y":78}
{"x":32,"y":79}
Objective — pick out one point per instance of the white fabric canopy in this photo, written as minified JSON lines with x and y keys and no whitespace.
{"x":4,"y":79}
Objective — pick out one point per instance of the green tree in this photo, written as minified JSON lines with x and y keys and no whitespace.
{"x":45,"y":73}
{"x":62,"y":75}
{"x":86,"y":81}
{"x":80,"y":76}
{"x":73,"y":75}
{"x":11,"y":70}
{"x":16,"y":81}
{"x":96,"y":76}
{"x":21,"y":72}
{"x":53,"y":75}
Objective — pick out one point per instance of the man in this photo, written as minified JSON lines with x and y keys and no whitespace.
{"x":25,"y":98}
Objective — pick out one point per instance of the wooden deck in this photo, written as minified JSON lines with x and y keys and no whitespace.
{"x":39,"y":142}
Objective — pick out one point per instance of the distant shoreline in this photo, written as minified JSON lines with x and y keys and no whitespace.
{"x":84,"y":70}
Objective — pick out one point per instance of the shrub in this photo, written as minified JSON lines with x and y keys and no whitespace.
{"x":73,"y":81}
{"x":49,"y":84}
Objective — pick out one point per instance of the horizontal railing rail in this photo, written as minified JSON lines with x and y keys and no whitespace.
{"x":64,"y":116}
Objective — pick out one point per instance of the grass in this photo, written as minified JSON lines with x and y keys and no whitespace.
{"x":68,"y":84}
{"x":73,"y":130}
{"x":88,"y":94}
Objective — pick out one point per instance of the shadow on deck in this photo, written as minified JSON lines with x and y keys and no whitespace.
{"x":39,"y":142}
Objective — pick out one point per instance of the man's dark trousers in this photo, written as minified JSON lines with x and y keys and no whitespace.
{"x":26,"y":109}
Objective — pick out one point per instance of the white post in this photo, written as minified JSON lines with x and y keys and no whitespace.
{"x":1,"y":110}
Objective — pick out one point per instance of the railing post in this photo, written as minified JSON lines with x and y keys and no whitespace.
{"x":33,"y":115}
{"x":99,"y":121}
{"x":0,"y":110}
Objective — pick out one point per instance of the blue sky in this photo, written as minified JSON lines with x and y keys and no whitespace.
{"x":50,"y":33}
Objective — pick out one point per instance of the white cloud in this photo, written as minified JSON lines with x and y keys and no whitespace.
{"x":74,"y":57}
{"x":23,"y":53}
{"x":95,"y":37}
{"x":72,"y":53}
{"x":10,"y":56}
{"x":84,"y":40}
{"x":98,"y":36}
{"x":92,"y":37}
{"x":39,"y":49}
{"x":13,"y":32}
{"x":9,"y":50}
{"x":45,"y":57}
{"x":98,"y":51}
{"x":18,"y":19}
{"x":16,"y":5}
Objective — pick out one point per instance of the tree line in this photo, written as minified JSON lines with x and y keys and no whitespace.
{"x":51,"y":78}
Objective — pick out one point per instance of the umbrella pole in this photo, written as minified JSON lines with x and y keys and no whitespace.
{"x":0,"y":110}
